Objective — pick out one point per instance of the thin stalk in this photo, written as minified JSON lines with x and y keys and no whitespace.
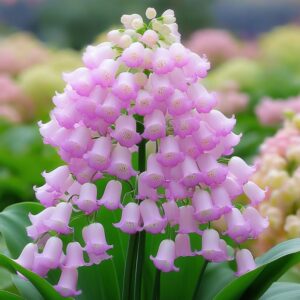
{"x":156,"y":289}
{"x":198,"y":285}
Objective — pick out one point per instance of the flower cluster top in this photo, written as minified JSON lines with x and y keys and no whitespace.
{"x":142,"y":86}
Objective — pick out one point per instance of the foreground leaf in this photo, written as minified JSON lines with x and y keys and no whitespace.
{"x":4,"y":295}
{"x":282,"y":290}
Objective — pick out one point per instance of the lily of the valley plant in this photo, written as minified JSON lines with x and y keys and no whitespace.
{"x":137,"y":118}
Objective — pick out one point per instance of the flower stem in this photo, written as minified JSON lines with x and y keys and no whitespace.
{"x":198,"y":284}
{"x":156,"y":288}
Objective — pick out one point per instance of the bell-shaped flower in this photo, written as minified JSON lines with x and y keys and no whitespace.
{"x":96,"y":259}
{"x":178,"y":103}
{"x":67,"y":283}
{"x":105,"y":74}
{"x":187,"y":222}
{"x":213,"y":173}
{"x":179,"y":54}
{"x":144,"y":190}
{"x":213,"y":247}
{"x":154,"y":176}
{"x":205,"y":137}
{"x":133,"y":56}
{"x":257,"y":222}
{"x":162,"y":62}
{"x":94,"y":237}
{"x":171,"y":211}
{"x":48,"y":130}
{"x":161,"y":87}
{"x":254,"y":192}
{"x":52,"y":253}
{"x":110,"y":109}
{"x":38,"y":226}
{"x":191,"y":173}
{"x":27,"y":256}
{"x":169,"y":153}
{"x":150,"y":38}
{"x":176,"y":191}
{"x":46,"y":195}
{"x":185,"y":125}
{"x":240,"y":169}
{"x":155,"y":126}
{"x":125,"y":87}
{"x":87,"y":200}
{"x":232,"y":186}
{"x":219,"y":122}
{"x":111,"y":198}
{"x":74,"y":256}
{"x":131,"y":219}
{"x":144,"y":103}
{"x":237,"y":227}
{"x":98,"y":157}
{"x":153,"y":222}
{"x":80,"y":80}
{"x":59,"y":219}
{"x":165,"y":256}
{"x":221,"y":200}
{"x":120,"y":165}
{"x":245,"y":262}
{"x":59,"y":179}
{"x":125,"y":131}
{"x":204,"y":102}
{"x":178,"y":80}
{"x":205,"y":211}
{"x":183,"y":245}
{"x":189,"y":147}
{"x":83,"y":172}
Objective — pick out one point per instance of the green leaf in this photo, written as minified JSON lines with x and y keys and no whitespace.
{"x":219,"y":282}
{"x":43,"y":286}
{"x":4,"y":295}
{"x":282,"y":290}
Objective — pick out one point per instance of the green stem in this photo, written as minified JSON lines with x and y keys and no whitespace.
{"x":198,"y":284}
{"x":156,"y":289}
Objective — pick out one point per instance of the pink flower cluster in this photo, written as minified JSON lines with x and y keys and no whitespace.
{"x":271,"y":112}
{"x":143,"y":77}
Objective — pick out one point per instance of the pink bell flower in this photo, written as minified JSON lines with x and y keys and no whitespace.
{"x":27,"y":256}
{"x":213,"y":247}
{"x":48,"y":130}
{"x":46,"y":195}
{"x":105,"y":74}
{"x":161,"y":87}
{"x":144,"y":103}
{"x":165,"y":257}
{"x":52,"y":253}
{"x":183,"y":245}
{"x":162,"y":62}
{"x":152,"y":220}
{"x":94,"y":237}
{"x":185,"y":125}
{"x":74,"y":256}
{"x":95,"y":55}
{"x":125,"y":87}
{"x":67,"y":283}
{"x":154,"y":176}
{"x":133,"y":56}
{"x":83,"y":172}
{"x":221,"y":200}
{"x":187,"y":222}
{"x":155,"y":126}
{"x":205,"y":211}
{"x":254,"y":192}
{"x":96,"y":259}
{"x":179,"y":54}
{"x":121,"y":163}
{"x":176,"y":191}
{"x":205,"y":137}
{"x":125,"y":131}
{"x":110,"y":109}
{"x":240,"y":169}
{"x":178,"y":103}
{"x":98,"y":157}
{"x":59,"y":179}
{"x":178,"y":80}
{"x":150,"y":38}
{"x":87,"y":200}
{"x":59,"y":219}
{"x":131,"y":219}
{"x":169,"y":153}
{"x":237,"y":227}
{"x":171,"y":211}
{"x":189,"y":147}
{"x":257,"y":223}
{"x":80,"y":80}
{"x":245,"y":262}
{"x":111,"y":198}
{"x":144,"y":189}
{"x":232,"y":186}
{"x":191,"y":175}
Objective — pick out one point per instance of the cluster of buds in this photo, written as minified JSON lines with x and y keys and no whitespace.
{"x":142,"y":86}
{"x":270,"y":112}
{"x":278,"y":168}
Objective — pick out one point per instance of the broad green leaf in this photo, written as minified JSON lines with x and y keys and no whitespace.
{"x":26,"y":288}
{"x":282,"y":290}
{"x":43,"y":286}
{"x":4,"y":295}
{"x":219,"y":282}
